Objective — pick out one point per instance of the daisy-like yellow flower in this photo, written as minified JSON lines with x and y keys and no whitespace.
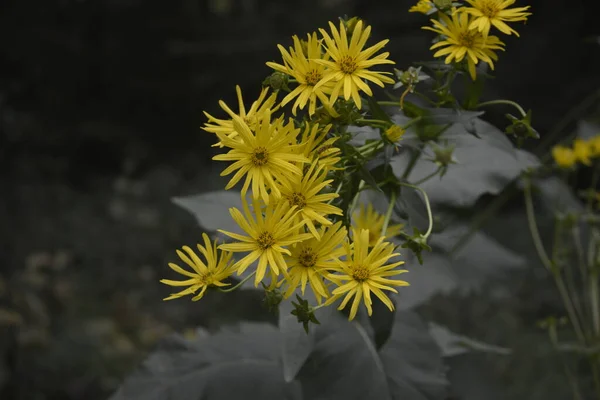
{"x":268,"y":231}
{"x":315,"y":145}
{"x":364,"y":271}
{"x":225,"y":126}
{"x":459,"y":42}
{"x":349,"y":67}
{"x":300,"y":63}
{"x":311,"y":260}
{"x":564,"y":157}
{"x":369,"y":219}
{"x":494,"y":12}
{"x":262,"y":157}
{"x":583,"y":151}
{"x":218,"y":266}
{"x":422,"y":6}
{"x":305,"y":193}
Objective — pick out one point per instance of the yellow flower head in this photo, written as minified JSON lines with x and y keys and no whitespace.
{"x":315,"y":145}
{"x":218,"y":266}
{"x":394,"y":133}
{"x":564,"y":157}
{"x":312,"y":259}
{"x":583,"y":151}
{"x":364,"y":271}
{"x":460,"y":42}
{"x":300,"y":63}
{"x":422,"y":6}
{"x":494,"y":12}
{"x":264,"y":156}
{"x":257,"y":109}
{"x":369,"y":219}
{"x":305,"y":193}
{"x":349,"y":67}
{"x":268,"y":231}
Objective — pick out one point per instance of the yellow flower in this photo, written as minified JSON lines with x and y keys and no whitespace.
{"x":263,"y":157}
{"x":461,"y":42}
{"x":594,"y":144}
{"x":225,"y":126}
{"x":422,"y":6}
{"x":494,"y":12}
{"x":218,"y":267}
{"x":394,"y":133}
{"x":304,"y":193}
{"x":364,"y":271}
{"x":300,"y":63}
{"x":351,"y":62}
{"x":369,"y":219}
{"x":583,"y":151}
{"x":311,"y":260}
{"x":564,"y":157}
{"x":268,"y":231}
{"x":314,"y":144}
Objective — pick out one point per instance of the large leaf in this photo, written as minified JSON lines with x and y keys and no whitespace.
{"x":453,"y":344}
{"x":485,"y":165}
{"x":296,"y":344}
{"x":243,"y":363}
{"x":211,"y":209}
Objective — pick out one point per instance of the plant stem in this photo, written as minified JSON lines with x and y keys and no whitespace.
{"x":434,"y":173}
{"x":388,"y":214}
{"x":376,"y":122}
{"x":427,"y":205}
{"x":595,"y":303}
{"x":231,"y":289}
{"x":508,"y":102}
{"x":389,"y":103}
{"x":355,"y":200}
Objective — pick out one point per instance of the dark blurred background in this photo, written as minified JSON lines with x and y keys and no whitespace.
{"x":100,"y":108}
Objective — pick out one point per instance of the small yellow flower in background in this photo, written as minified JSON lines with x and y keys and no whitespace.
{"x":262,"y":157}
{"x":460,"y":42}
{"x":394,"y":133}
{"x":218,"y":266}
{"x":583,"y":151}
{"x":304,"y":193}
{"x":311,"y":260}
{"x":315,"y":145}
{"x":369,"y":219}
{"x":494,"y":12}
{"x":300,"y":64}
{"x":349,"y":67}
{"x":422,"y":6}
{"x":564,"y":157}
{"x":257,"y":109}
{"x":268,"y":230}
{"x":364,"y":271}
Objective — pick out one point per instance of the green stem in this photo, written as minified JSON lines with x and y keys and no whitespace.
{"x":337,"y":191}
{"x":355,"y":200}
{"x":508,"y":102}
{"x":388,"y":214}
{"x":572,"y":381}
{"x":413,"y":161}
{"x":412,"y":122}
{"x":231,"y":289}
{"x":595,"y":302}
{"x":376,"y":122}
{"x":389,"y":103}
{"x":434,"y":173}
{"x":427,"y":205}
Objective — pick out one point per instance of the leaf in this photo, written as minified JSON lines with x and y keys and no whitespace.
{"x":206,"y":368}
{"x":453,"y":344}
{"x":485,"y":165}
{"x":211,"y":209}
{"x":296,"y":344}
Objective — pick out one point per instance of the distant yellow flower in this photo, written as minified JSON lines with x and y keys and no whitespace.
{"x":305,"y":193}
{"x":218,"y":266}
{"x":460,"y":42}
{"x":494,"y":12}
{"x":583,"y":151}
{"x":268,"y":231}
{"x":351,"y":62}
{"x":300,"y":63}
{"x":364,"y":271}
{"x":564,"y":157}
{"x":264,"y":156}
{"x":394,"y":133}
{"x":311,"y":260}
{"x":368,"y":218}
{"x":315,"y":145}
{"x":422,"y":6}
{"x":257,"y":109}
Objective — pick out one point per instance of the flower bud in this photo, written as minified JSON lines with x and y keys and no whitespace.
{"x":394,"y":133}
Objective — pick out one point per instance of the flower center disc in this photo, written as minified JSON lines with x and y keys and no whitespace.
{"x":260,"y":156}
{"x":313,"y":77}
{"x":347,"y":65}
{"x":360,"y":273}
{"x":297,"y":199}
{"x":489,"y":8}
{"x":265,"y":240}
{"x":307,"y":258}
{"x":467,"y":39}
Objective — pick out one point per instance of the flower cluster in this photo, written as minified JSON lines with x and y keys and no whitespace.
{"x":581,"y":152}
{"x":464,"y":30}
{"x":291,"y":233}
